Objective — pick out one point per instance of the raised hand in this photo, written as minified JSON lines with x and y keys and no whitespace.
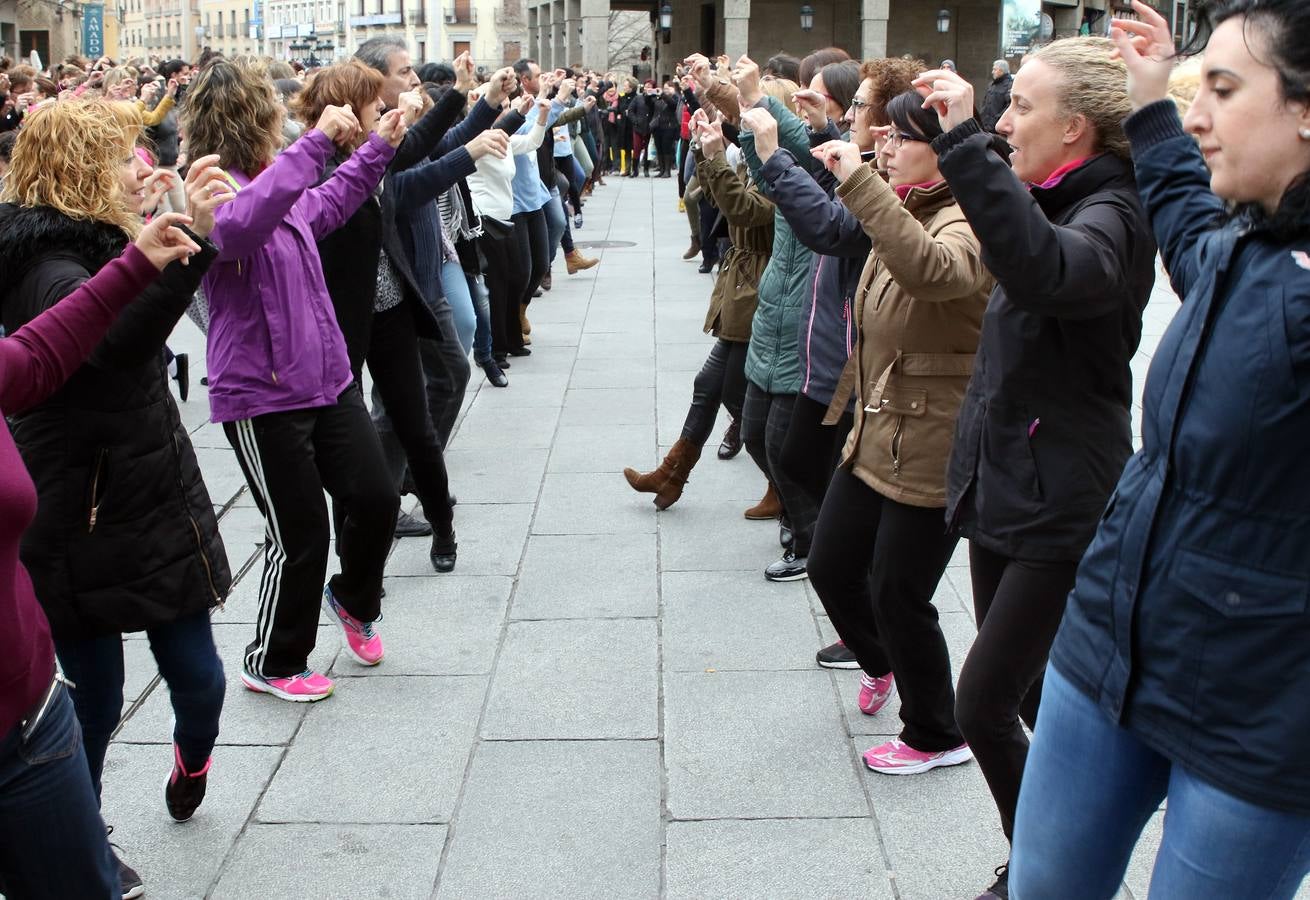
{"x":464,"y":78}
{"x":566,"y":88}
{"x":171,"y":90}
{"x":712,"y":141}
{"x":207,"y":188}
{"x":339,"y":123}
{"x":493,"y":142}
{"x":699,"y":67}
{"x":162,"y":241}
{"x":411,"y":105}
{"x":159,"y":183}
{"x":841,"y":158}
{"x":148,"y":91}
{"x":813,"y":106}
{"x":543,"y":110}
{"x":1147,"y":49}
{"x":746,"y":76}
{"x":501,"y":85}
{"x":391,"y":127}
{"x":948,"y":94}
{"x":761,"y":124}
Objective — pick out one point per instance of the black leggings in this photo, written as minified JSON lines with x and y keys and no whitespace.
{"x":811,"y":450}
{"x":721,"y":381}
{"x":1018,"y":605}
{"x":533,"y":249}
{"x":875,"y":565}
{"x":506,"y":275}
{"x":764,"y":421}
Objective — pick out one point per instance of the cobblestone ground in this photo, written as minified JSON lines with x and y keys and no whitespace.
{"x":603,"y":701}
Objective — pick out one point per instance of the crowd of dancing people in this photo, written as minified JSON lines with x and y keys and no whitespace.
{"x":923,"y":318}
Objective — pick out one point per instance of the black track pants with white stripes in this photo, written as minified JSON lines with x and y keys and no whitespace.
{"x":289,"y":459}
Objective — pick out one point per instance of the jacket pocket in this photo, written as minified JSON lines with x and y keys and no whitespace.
{"x":893,"y":407}
{"x":1236,"y":590}
{"x":97,"y":486}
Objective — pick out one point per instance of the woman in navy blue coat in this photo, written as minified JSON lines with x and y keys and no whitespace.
{"x":1182,"y":668}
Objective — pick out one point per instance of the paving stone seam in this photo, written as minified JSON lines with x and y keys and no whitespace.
{"x":452,"y":826}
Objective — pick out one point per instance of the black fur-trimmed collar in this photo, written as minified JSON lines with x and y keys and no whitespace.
{"x":29,"y":234}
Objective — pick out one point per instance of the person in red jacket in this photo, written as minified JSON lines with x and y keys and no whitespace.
{"x":52,"y":841}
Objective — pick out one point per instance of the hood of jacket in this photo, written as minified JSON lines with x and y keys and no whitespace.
{"x":31,"y":233}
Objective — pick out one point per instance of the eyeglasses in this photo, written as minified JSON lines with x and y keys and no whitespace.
{"x":899,"y":139}
{"x":857,"y":104}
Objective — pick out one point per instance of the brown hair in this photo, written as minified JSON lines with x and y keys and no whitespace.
{"x":811,"y":64}
{"x":233,"y":111}
{"x":350,"y":83}
{"x":891,"y":78}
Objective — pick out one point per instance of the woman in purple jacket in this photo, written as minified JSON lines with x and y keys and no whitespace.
{"x":279,"y":377}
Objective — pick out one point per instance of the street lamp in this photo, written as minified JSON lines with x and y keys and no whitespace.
{"x":943,"y":20}
{"x":666,"y":17}
{"x":807,"y":17}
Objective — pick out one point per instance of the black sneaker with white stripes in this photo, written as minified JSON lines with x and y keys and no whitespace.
{"x":836,"y":656}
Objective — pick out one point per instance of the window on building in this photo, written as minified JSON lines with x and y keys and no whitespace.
{"x":513,"y":51}
{"x":460,"y":47}
{"x":462,"y":12}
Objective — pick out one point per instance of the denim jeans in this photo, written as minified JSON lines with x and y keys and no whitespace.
{"x":556,"y":224}
{"x":1088,"y":790}
{"x":482,"y":316}
{"x":184,"y":651}
{"x":52,"y":839}
{"x":456,"y":288}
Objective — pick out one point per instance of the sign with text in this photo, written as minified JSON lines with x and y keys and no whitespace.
{"x":93,"y":30}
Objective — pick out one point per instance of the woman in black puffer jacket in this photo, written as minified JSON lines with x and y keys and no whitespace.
{"x":125,"y":538}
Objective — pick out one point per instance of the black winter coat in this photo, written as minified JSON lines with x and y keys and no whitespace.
{"x":1045,"y":428}
{"x":1189,"y":622}
{"x":996,"y":101}
{"x":125,"y":536}
{"x":641,"y":112}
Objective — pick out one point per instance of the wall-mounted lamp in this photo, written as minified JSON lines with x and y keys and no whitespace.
{"x":666,"y":17}
{"x":807,"y":17}
{"x":943,"y":21}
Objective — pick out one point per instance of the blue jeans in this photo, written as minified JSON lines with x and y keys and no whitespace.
{"x":482,"y":315}
{"x":456,"y":288}
{"x":52,"y":840}
{"x":184,"y":651}
{"x":556,"y":223}
{"x":1088,"y":790}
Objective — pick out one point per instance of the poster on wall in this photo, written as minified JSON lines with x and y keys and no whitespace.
{"x":1022,"y":27}
{"x":93,"y":30}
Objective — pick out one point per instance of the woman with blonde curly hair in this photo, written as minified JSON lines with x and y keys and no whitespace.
{"x":125,"y":538}
{"x":1046,"y":425}
{"x":280,"y":381}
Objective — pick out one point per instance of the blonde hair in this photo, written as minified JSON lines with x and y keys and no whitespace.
{"x":232,"y":110}
{"x":781,"y":89}
{"x":69,"y":155}
{"x":1184,"y":84}
{"x":1092,"y":85}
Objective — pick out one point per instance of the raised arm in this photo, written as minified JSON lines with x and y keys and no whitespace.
{"x":940,"y":267}
{"x":792,"y":136}
{"x":819,"y":222}
{"x":245,"y":225}
{"x":39,"y":357}
{"x":425,"y":134}
{"x":327,"y":207}
{"x":428,"y":181}
{"x":1175,"y":186}
{"x":1071,"y":271}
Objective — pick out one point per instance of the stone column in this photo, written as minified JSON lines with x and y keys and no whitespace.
{"x":736,"y":27}
{"x":873,"y":27}
{"x":595,"y":38}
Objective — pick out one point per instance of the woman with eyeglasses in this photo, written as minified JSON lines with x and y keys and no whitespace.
{"x":879,"y":546}
{"x":1045,"y":430}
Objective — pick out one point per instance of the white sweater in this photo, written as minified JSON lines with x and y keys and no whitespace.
{"x":491,"y":184}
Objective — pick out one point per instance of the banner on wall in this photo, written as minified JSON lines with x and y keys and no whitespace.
{"x":1022,"y":27}
{"x":93,"y":30}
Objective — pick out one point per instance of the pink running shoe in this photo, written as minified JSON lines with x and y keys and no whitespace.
{"x":875,"y":692}
{"x":362,"y":642}
{"x":898,"y":758}
{"x":306,"y":687}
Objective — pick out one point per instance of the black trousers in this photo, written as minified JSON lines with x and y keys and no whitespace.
{"x":666,"y":140}
{"x":507,"y":272}
{"x":1018,"y":605}
{"x":533,"y":248}
{"x":721,"y":381}
{"x":684,"y":147}
{"x":709,"y":214}
{"x":289,"y":459}
{"x":811,"y":450}
{"x":764,"y":421}
{"x":400,"y":383}
{"x":875,"y":565}
{"x":446,"y":373}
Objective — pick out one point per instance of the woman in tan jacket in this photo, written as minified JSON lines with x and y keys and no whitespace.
{"x":722,"y":380}
{"x":880,"y":546}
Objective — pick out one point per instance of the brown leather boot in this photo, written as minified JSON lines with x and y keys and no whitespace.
{"x":667,"y":480}
{"x":694,"y":250}
{"x":769,"y":507}
{"x":576,"y":262}
{"x":524,"y":325}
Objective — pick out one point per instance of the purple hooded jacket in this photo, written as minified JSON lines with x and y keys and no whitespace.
{"x":274,"y":344}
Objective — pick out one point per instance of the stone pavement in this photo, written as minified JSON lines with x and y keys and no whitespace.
{"x":602,"y":701}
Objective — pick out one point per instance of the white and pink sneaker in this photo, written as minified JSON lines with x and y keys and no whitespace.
{"x":362,"y":641}
{"x":306,"y":687}
{"x":875,"y":692}
{"x":898,"y":758}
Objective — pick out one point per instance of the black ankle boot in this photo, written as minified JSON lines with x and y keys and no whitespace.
{"x":443,"y":550}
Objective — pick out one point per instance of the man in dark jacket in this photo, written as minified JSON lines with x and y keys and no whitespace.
{"x":998,"y":95}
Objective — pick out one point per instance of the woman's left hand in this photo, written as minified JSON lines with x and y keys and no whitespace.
{"x":947,"y":93}
{"x":157,"y":185}
{"x":207,"y":188}
{"x":841,"y":158}
{"x":764,"y":128}
{"x":391,"y":127}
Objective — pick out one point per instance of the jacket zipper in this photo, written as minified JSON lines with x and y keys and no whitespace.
{"x":101,"y":457}
{"x":896,"y":446}
{"x":195,"y":526}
